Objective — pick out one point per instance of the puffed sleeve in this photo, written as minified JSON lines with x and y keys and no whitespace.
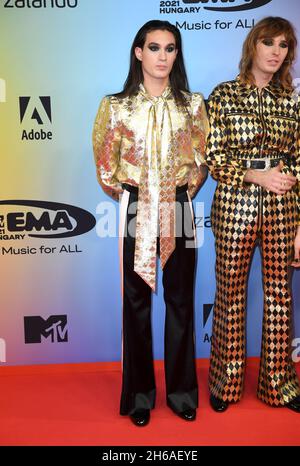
{"x":221,"y":166}
{"x":106,"y":145}
{"x":199,"y":133}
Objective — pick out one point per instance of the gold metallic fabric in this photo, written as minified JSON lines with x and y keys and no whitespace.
{"x":248,"y":124}
{"x":155,"y":144}
{"x":241,"y":219}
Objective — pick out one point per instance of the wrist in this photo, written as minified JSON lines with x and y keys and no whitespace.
{"x":254,"y":176}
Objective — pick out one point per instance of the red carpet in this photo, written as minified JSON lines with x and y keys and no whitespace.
{"x":77,"y":404}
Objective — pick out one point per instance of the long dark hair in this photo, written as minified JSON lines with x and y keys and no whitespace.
{"x":178,"y":77}
{"x":269,"y":27}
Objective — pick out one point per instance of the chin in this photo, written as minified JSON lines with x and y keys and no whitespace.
{"x":161,"y":75}
{"x":272,"y":69}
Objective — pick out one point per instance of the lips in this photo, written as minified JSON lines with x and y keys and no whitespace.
{"x":273,"y":62}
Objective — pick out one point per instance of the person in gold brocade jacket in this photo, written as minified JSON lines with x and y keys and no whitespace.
{"x":149,"y":147}
{"x":253,"y":153}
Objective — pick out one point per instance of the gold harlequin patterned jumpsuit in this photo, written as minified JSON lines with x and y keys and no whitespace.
{"x":250,"y":125}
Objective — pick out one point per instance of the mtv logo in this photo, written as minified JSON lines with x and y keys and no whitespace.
{"x":2,"y":90}
{"x":2,"y":350}
{"x":38,"y":329}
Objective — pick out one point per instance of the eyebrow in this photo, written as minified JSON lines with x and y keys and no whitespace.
{"x":272,"y":38}
{"x":156,"y":43}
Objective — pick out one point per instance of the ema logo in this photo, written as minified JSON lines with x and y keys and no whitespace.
{"x":2,"y":350}
{"x":239,"y":5}
{"x":2,"y":90}
{"x":38,"y":329}
{"x":40,"y":4}
{"x":38,"y":110}
{"x":55,"y":219}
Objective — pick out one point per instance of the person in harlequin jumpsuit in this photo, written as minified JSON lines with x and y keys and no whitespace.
{"x":253,"y":153}
{"x":149,"y":146}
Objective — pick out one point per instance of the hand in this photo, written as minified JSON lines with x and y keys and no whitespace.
{"x":272,"y":180}
{"x":296,"y":261}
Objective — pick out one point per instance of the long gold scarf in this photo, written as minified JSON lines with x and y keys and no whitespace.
{"x":157,"y":188}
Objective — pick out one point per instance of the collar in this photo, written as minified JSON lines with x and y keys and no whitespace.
{"x":273,"y":88}
{"x":166,"y":93}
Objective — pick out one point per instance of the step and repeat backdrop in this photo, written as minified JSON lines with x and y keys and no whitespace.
{"x":60,"y":283}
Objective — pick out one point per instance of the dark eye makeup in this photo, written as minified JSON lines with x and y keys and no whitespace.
{"x":155,"y":47}
{"x":269,"y":42}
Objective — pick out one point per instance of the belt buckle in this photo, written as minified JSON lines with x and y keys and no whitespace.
{"x":266,"y":160}
{"x":267,"y":164}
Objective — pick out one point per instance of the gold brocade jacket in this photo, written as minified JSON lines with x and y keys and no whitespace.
{"x":156,"y":145}
{"x":119,"y":140}
{"x":248,"y":124}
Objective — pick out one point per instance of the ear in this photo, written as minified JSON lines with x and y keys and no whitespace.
{"x":138,"y":53}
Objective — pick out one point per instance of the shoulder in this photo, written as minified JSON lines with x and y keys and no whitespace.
{"x":292,"y":94}
{"x":224,"y":88}
{"x":194,"y":99}
{"x":110,"y":101}
{"x":110,"y":106}
{"x":197,"y":98}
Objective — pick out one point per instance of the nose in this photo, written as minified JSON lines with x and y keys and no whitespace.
{"x":276,"y":50}
{"x":163,"y":55}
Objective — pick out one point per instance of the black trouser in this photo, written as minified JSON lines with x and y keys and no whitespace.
{"x":138,"y":384}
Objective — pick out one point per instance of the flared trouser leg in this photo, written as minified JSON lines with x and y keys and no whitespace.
{"x":235,"y":242}
{"x":138,"y":382}
{"x":178,"y":282}
{"x":278,"y":383}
